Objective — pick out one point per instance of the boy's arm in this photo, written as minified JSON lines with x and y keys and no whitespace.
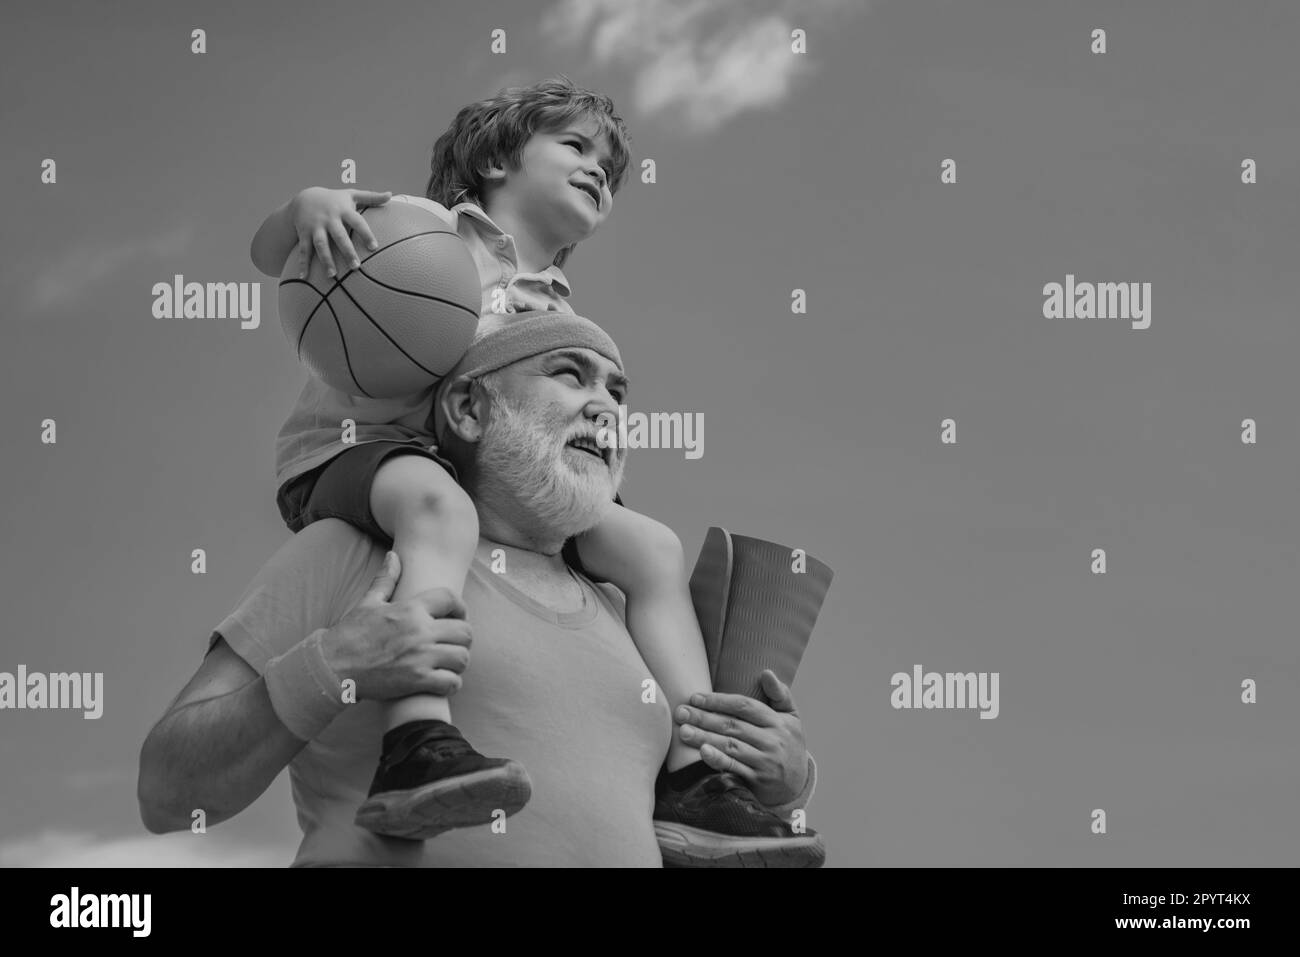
{"x":274,"y":241}
{"x":770,"y":732}
{"x":310,"y":220}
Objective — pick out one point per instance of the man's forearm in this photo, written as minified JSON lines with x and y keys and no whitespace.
{"x":217,"y":755}
{"x":274,"y":241}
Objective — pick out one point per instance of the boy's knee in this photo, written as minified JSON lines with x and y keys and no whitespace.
{"x":448,"y":508}
{"x":443,"y":518}
{"x":414,"y":490}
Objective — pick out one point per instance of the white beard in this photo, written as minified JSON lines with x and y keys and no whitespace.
{"x":563,"y":492}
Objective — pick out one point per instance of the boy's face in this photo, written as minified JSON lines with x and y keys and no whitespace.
{"x":563,"y":181}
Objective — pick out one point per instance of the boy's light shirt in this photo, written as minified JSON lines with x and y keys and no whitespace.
{"x":312,"y":434}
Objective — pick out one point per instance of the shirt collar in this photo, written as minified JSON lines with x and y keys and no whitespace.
{"x":474,"y":211}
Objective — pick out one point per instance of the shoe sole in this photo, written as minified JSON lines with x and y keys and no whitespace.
{"x":432,"y":809}
{"x":685,"y":846}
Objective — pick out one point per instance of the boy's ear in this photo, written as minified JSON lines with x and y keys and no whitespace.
{"x":493,"y":173}
{"x":463,"y":407}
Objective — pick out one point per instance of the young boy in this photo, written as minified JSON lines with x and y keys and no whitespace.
{"x":523,"y":177}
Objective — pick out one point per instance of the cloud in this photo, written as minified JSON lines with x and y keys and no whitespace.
{"x":64,"y":280}
{"x":700,"y":61}
{"x":77,"y":849}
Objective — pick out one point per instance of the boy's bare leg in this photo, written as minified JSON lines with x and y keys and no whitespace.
{"x":644,"y":558}
{"x":702,"y":817}
{"x":429,"y":778}
{"x":434,"y":527}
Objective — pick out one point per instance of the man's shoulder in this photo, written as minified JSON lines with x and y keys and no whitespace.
{"x":309,"y":583}
{"x":336,"y":532}
{"x":327,"y":548}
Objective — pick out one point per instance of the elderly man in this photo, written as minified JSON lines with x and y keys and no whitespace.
{"x":294,"y":675}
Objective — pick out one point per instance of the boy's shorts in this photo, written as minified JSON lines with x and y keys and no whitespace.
{"x":340,"y":488}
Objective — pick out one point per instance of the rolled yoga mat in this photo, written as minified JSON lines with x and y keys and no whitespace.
{"x":754,"y":609}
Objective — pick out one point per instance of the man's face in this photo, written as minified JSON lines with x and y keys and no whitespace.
{"x":559,"y":172}
{"x":539,"y":442}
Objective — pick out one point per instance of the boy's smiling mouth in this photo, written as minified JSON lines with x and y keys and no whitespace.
{"x":590,"y":191}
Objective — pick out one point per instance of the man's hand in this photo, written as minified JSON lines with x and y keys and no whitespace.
{"x":761,"y":743}
{"x":395,"y":649}
{"x":321,"y":214}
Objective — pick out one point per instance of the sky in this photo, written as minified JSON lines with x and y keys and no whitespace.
{"x":775,"y":171}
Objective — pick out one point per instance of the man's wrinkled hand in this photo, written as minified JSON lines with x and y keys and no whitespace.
{"x":395,"y":649}
{"x":762,"y":743}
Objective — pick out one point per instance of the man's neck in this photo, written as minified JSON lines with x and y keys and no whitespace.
{"x":525,"y":560}
{"x":533,"y":561}
{"x":536,"y":253}
{"x":496,"y":525}
{"x":543,"y":578}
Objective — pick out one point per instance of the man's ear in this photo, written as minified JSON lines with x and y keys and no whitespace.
{"x":463,"y":408}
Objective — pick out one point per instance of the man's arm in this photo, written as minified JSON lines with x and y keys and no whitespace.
{"x":219,"y":746}
{"x":230,"y":732}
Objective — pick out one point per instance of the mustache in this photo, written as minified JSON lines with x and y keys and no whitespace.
{"x":580,"y":434}
{"x":614,"y":455}
{"x":557,"y":432}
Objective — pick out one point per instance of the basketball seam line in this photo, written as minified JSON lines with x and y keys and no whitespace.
{"x":428,"y":232}
{"x":361,"y":309}
{"x":338,"y":280}
{"x":310,"y":316}
{"x":408,"y":292}
{"x":338,"y":284}
{"x":344,"y":341}
{"x":323,"y":301}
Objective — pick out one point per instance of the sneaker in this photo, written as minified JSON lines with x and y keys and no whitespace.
{"x":718,"y":822}
{"x":431,"y":780}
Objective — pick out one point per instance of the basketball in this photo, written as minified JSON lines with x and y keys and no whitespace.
{"x":397,"y":323}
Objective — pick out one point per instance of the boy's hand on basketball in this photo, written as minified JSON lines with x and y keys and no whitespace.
{"x":321,"y":214}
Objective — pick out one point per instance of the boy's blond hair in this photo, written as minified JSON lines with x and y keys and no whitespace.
{"x":494,"y":131}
